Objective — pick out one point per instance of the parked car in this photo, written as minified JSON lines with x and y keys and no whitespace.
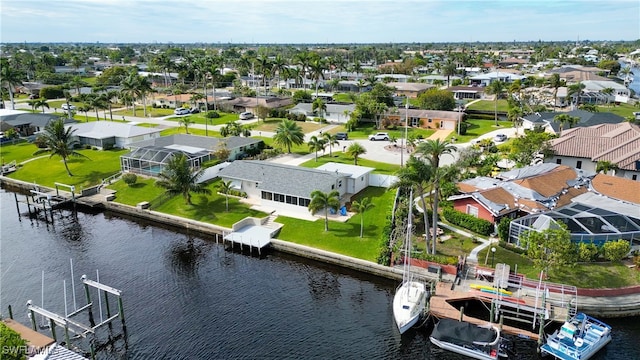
{"x":181,"y":111}
{"x":194,"y":110}
{"x":66,"y":107}
{"x":342,"y":136}
{"x":379,"y":136}
{"x":500,"y":138}
{"x":246,"y":115}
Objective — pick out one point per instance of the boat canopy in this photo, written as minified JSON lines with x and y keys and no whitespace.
{"x":461,"y":333}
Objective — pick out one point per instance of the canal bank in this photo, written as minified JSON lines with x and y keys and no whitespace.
{"x":609,"y":304}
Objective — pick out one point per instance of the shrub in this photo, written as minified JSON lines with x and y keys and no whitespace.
{"x":108,"y":147}
{"x":212,"y":115}
{"x":466,"y":221}
{"x":616,"y":250}
{"x":51,"y":92}
{"x":40,"y":142}
{"x":503,"y":229}
{"x":587,"y":252}
{"x":11,"y":340}
{"x":384,"y":257}
{"x":130,"y":178}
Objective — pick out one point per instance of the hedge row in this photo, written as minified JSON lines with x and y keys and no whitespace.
{"x":469,"y":222}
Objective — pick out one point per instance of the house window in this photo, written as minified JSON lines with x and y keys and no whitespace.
{"x":278,"y":197}
{"x":579,"y":165}
{"x":303,"y":202}
{"x":267,"y":195}
{"x":292,"y":200}
{"x":429,"y":120}
{"x":558,"y":161}
{"x":333,"y":187}
{"x":634,"y":177}
{"x":339,"y":183}
{"x":472,"y":210}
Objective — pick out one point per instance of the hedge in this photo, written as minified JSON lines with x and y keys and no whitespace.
{"x":469,"y":222}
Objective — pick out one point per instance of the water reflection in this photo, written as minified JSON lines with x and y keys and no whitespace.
{"x":186,"y":254}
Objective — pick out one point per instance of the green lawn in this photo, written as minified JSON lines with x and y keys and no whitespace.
{"x":87,"y":172}
{"x":344,"y":238}
{"x":363,"y":132}
{"x":18,"y":152}
{"x":342,"y":158}
{"x":205,"y":208}
{"x":151,"y":111}
{"x":479,"y":127}
{"x":489,"y":105}
{"x":272,"y":124}
{"x":342,"y":97}
{"x":302,"y":149}
{"x":594,"y":275}
{"x":200,"y":118}
{"x":623,"y":110}
{"x":192,"y":131}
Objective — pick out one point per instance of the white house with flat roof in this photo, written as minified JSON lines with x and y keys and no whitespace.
{"x":105,"y":134}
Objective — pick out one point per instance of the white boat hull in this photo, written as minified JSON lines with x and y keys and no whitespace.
{"x":408,"y":304}
{"x":462,"y":350}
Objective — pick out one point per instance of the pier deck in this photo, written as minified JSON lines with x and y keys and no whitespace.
{"x":440,"y":307}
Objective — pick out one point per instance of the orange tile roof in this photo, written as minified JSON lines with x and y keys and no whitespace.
{"x":549,"y":183}
{"x":617,"y":187}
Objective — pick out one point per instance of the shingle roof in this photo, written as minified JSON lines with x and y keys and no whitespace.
{"x":617,"y":143}
{"x":281,"y":178}
{"x":203,"y":142}
{"x":617,"y":188}
{"x":586,"y":118}
{"x":105,"y":129}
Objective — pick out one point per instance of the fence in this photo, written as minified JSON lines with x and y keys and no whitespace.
{"x":212,"y":172}
{"x":380,"y":180}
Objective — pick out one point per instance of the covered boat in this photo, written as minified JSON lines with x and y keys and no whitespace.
{"x":578,"y":339}
{"x":467,"y":339}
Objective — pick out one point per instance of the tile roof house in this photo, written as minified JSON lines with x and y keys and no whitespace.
{"x":546,"y":120}
{"x":583,"y":147}
{"x":617,"y":188}
{"x":518,"y":192}
{"x":409,"y":89}
{"x":263,"y":182}
{"x":428,"y":119}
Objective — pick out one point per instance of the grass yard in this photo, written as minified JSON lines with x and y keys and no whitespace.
{"x":344,"y":238}
{"x":363,"y":132}
{"x":343,"y":97}
{"x":302,"y":149}
{"x":151,"y":112}
{"x":342,"y":158}
{"x":200,"y":118}
{"x":489,"y":105}
{"x":593,"y":275}
{"x":192,"y":131}
{"x":18,"y":152}
{"x":623,"y":110}
{"x":205,"y":208}
{"x":479,"y":127}
{"x":272,"y":124}
{"x":87,"y":172}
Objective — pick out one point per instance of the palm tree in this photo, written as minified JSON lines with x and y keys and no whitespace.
{"x":605,"y":166}
{"x":574,"y":91}
{"x":76,"y":82}
{"x":355,"y":150}
{"x":320,"y":200}
{"x":144,"y":87}
{"x":85,"y":109}
{"x":607,"y":91}
{"x":515,"y":116}
{"x":10,"y":79}
{"x":41,"y":103}
{"x":178,"y":177}
{"x":129,"y":88}
{"x":108,"y":100}
{"x":555,"y":82}
{"x":288,"y":133}
{"x":433,"y":150}
{"x":361,"y":207}
{"x":186,"y":121}
{"x":330,"y":139}
{"x":225,"y":187}
{"x":60,"y":141}
{"x":563,"y":119}
{"x":316,"y":144}
{"x":316,"y":68}
{"x":417,"y":174}
{"x":320,"y":105}
{"x":495,"y":88}
{"x":279,"y":66}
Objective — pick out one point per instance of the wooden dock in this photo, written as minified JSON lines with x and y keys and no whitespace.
{"x":440,"y":307}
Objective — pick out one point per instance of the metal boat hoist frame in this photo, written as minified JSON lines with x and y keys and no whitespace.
{"x":70,"y":325}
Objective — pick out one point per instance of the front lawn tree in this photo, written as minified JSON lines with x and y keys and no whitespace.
{"x":549,"y":249}
{"x":355,"y":150}
{"x":225,"y":187}
{"x":178,"y":177}
{"x":186,"y":121}
{"x":316,"y":144}
{"x":330,"y":140}
{"x":288,"y":133}
{"x":495,"y":88}
{"x":326,"y":201}
{"x":361,"y":207}
{"x":60,"y":141}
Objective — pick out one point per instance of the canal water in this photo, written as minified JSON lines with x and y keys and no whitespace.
{"x":186,"y":297}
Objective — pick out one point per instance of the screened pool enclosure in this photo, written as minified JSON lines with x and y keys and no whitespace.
{"x":588,"y":224}
{"x":151,"y":160}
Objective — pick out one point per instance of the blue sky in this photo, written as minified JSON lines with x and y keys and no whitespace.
{"x":312,"y":21}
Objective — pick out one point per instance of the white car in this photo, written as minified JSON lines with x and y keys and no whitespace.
{"x":66,"y":107}
{"x":379,"y":136}
{"x":246,"y":115}
{"x":181,"y":111}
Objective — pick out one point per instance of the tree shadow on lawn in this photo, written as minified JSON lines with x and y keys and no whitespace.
{"x":138,"y":185}
{"x":94,"y":177}
{"x":353,"y":230}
